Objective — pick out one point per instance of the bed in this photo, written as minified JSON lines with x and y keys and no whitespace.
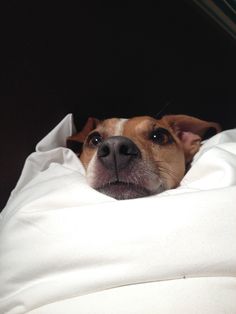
{"x":66,"y":248}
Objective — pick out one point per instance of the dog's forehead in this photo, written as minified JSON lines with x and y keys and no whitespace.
{"x":112,"y":126}
{"x":117,"y":126}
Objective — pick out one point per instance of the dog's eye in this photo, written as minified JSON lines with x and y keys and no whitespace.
{"x":94,"y":139}
{"x":161,"y":136}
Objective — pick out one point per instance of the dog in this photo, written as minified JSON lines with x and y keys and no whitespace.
{"x":139,"y":156}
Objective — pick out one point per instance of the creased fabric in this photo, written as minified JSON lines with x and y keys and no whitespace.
{"x":66,"y":248}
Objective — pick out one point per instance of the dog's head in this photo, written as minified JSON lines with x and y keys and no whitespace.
{"x":141,"y":156}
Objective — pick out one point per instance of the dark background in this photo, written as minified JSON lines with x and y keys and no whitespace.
{"x":106,"y":59}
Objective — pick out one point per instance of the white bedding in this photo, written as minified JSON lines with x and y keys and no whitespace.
{"x":65,"y":248}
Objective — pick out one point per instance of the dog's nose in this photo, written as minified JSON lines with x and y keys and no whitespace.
{"x":117,"y":152}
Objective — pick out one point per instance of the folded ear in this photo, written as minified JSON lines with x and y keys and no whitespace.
{"x":75,"y":141}
{"x":191,"y":131}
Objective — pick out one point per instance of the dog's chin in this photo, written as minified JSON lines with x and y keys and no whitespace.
{"x":123,"y":190}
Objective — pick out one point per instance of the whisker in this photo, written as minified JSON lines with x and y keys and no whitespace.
{"x":163,"y":108}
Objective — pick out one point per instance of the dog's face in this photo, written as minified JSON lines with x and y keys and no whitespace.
{"x":141,"y":156}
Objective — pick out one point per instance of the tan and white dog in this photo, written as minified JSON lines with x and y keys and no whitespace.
{"x":140,"y":156}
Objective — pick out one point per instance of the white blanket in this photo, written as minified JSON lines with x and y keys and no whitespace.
{"x":65,"y":248}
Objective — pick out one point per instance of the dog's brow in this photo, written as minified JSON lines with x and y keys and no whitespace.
{"x":147,"y":124}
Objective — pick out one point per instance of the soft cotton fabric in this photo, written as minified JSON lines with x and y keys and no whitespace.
{"x":66,"y":248}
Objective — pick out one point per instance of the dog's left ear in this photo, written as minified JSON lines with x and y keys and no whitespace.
{"x":75,"y":141}
{"x":191,"y":131}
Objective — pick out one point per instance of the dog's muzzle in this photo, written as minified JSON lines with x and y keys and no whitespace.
{"x":117,"y":152}
{"x":120,"y":171}
{"x":118,"y":156}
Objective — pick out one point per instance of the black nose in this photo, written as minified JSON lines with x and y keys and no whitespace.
{"x":117,"y":152}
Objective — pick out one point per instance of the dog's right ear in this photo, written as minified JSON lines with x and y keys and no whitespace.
{"x":75,"y":141}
